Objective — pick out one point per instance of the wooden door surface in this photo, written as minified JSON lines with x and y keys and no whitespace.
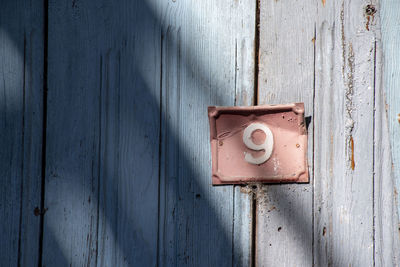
{"x":105,"y":156}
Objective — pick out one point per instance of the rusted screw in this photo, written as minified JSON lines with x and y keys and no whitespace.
{"x":297,"y":145}
{"x":370,"y":10}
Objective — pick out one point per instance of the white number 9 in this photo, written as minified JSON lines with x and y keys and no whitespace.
{"x":266,"y":146}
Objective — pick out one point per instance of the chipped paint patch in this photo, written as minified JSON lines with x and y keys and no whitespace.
{"x":349,"y":127}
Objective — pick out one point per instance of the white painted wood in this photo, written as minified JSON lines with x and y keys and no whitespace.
{"x":207,"y":59}
{"x":387,"y":130}
{"x":286,"y":74}
{"x":243,"y":226}
{"x":344,"y":135}
{"x":390,"y":27}
{"x":386,"y":227}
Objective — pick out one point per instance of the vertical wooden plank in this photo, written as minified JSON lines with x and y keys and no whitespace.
{"x":390,"y":19}
{"x":386,"y":225}
{"x":242,"y":232}
{"x":21,"y":90}
{"x":103,"y":132}
{"x":71,"y":184}
{"x":207,"y":60}
{"x":286,"y":74}
{"x":130,"y":128}
{"x":344,"y":135}
{"x":243,"y":19}
{"x":387,"y":97}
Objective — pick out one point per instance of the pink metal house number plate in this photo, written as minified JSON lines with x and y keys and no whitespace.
{"x":266,"y":144}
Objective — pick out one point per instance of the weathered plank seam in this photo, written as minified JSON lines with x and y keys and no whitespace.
{"x":235,"y":83}
{"x":233,"y":207}
{"x":253,"y":225}
{"x":21,"y":197}
{"x":160,"y":148}
{"x":256,"y":56}
{"x":234,"y":187}
{"x":44,"y":128}
{"x":253,"y":209}
{"x":373,"y":159}
{"x":313,"y":147}
{"x":99,"y":157}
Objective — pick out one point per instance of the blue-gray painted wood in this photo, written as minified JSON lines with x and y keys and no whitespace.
{"x":344,"y":136}
{"x":207,"y":60}
{"x":130,"y":127}
{"x":390,"y":27}
{"x":124,"y":76}
{"x":386,"y":222}
{"x":72,"y":154}
{"x":103,"y":134}
{"x":104,"y":106}
{"x":353,"y":211}
{"x":21,"y":119}
{"x":286,"y":75}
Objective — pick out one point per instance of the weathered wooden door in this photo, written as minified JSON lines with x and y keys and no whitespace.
{"x":105,"y":156}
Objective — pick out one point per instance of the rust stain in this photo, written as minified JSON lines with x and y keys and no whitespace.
{"x":245,"y":190}
{"x":398,"y":117}
{"x":370,"y":11}
{"x":36,"y":211}
{"x":271,"y":209}
{"x":367,"y":25}
{"x":323,"y":2}
{"x":352,"y":152}
{"x":313,"y":40}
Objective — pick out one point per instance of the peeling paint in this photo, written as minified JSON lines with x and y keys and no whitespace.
{"x":349,"y":126}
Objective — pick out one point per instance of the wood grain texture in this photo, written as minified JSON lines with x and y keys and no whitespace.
{"x":102,"y":173}
{"x":390,"y":27}
{"x":386,"y":224}
{"x":207,"y":60}
{"x":130,"y":127}
{"x":21,"y":118}
{"x":344,"y":136}
{"x":286,"y":74}
{"x":71,"y":185}
{"x":387,"y":130}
